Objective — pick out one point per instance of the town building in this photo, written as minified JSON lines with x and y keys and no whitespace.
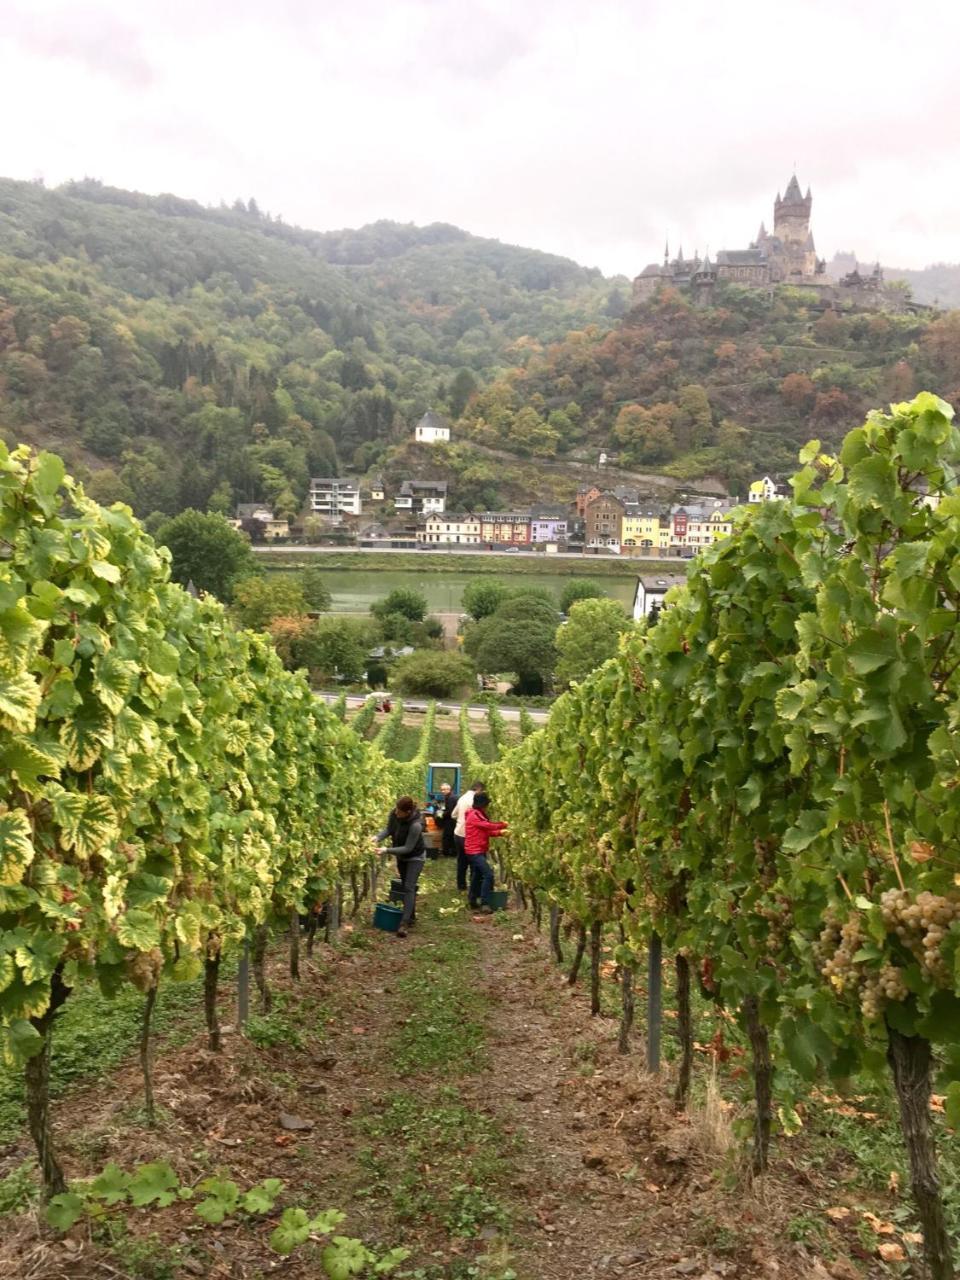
{"x":767,"y":490}
{"x":257,"y":520}
{"x":451,"y":528}
{"x":335,"y":497}
{"x":603,"y":521}
{"x":432,"y":429}
{"x":421,"y":497}
{"x":650,"y":593}
{"x":586,"y":495}
{"x":378,"y":490}
{"x":640,"y":528}
{"x":505,"y":527}
{"x":549,"y":524}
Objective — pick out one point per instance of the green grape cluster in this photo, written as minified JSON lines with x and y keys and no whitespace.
{"x":836,"y":952}
{"x":921,"y":923}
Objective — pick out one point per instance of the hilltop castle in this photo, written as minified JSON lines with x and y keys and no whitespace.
{"x":787,"y":255}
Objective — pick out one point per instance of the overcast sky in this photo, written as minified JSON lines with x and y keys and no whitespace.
{"x":591,"y":129}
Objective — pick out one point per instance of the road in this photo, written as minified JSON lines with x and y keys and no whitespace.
{"x":265,"y":548}
{"x":537,"y":714}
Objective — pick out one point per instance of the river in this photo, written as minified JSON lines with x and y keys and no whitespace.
{"x":355,"y":590}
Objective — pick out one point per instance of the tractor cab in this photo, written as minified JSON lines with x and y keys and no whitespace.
{"x":437,"y":773}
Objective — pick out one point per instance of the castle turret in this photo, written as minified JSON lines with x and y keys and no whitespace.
{"x":791,"y":214}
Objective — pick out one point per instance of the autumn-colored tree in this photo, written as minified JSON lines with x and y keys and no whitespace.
{"x":832,"y":406}
{"x":830,"y":328}
{"x":941,"y":346}
{"x":898,"y":382}
{"x":725,"y":352}
{"x":798,"y":391}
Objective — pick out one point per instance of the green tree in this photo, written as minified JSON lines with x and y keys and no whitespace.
{"x":529,"y":606}
{"x":258,"y":601}
{"x":208,"y":552}
{"x":403,"y":600}
{"x":315,"y":590}
{"x":484,"y":596}
{"x":462,"y":387}
{"x":526,"y":648}
{"x":336,"y":647}
{"x":589,"y":637}
{"x":433,"y":673}
{"x":579,"y":589}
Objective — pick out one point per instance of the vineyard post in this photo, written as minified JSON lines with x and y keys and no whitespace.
{"x":243,"y":986}
{"x":654,"y":1002}
{"x":294,"y":935}
{"x":37,"y":1079}
{"x":684,"y":1030}
{"x":910,"y":1062}
{"x":259,"y":969}
{"x":521,"y":896}
{"x":355,"y":891}
{"x":627,"y":999}
{"x":762,"y":1084}
{"x":333,"y":915}
{"x":556,"y":914}
{"x":146,"y":1057}
{"x":596,"y":936}
{"x":374,"y":876}
{"x":211,"y":977}
{"x":578,"y":955}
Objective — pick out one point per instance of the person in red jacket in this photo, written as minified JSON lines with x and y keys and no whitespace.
{"x":477,"y":846}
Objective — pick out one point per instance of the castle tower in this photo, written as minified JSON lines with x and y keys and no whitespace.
{"x":791,"y":215}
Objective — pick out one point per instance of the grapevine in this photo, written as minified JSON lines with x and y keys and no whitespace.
{"x":766,"y":780}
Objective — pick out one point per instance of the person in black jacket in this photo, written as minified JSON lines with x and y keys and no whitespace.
{"x":446,"y":820}
{"x":404,"y":830}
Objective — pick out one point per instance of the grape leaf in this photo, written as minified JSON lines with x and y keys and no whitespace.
{"x":153,"y":1183}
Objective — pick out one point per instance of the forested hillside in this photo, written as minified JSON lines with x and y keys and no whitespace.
{"x":181,"y":356}
{"x":728,"y":390}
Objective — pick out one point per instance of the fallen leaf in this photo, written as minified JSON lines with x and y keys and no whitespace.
{"x":890,"y":1251}
{"x":838,"y":1212}
{"x":283,"y":1139}
{"x":878,"y":1225}
{"x":913,"y":1237}
{"x":936,"y":1102}
{"x":893,"y":1182}
{"x":920,"y":850}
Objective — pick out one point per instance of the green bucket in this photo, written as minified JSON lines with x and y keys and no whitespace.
{"x":499,"y":899}
{"x":386,"y":917}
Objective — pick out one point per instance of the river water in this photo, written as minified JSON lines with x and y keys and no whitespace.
{"x":355,"y":590}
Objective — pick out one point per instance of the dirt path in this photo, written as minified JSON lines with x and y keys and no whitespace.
{"x":451,"y":1094}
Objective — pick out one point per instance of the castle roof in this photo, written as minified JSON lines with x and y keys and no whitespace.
{"x":741,"y":257}
{"x":810,"y":244}
{"x":792,"y":194}
{"x":654,"y":269}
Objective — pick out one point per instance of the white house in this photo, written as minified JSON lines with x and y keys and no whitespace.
{"x":422,"y":497}
{"x":335,"y":497}
{"x":767,"y":490}
{"x":651,"y":589}
{"x":432,"y":429}
{"x":451,"y":528}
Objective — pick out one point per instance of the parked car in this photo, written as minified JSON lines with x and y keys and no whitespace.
{"x":515,"y":550}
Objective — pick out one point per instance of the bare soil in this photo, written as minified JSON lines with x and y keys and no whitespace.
{"x":600,"y":1176}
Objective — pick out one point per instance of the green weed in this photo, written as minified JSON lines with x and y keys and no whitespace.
{"x":19,"y":1189}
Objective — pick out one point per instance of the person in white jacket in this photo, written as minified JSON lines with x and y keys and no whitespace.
{"x":460,"y":831}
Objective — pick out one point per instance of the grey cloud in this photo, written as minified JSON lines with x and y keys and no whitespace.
{"x":95,"y":38}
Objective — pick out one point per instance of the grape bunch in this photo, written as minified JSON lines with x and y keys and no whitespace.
{"x":922,"y":924}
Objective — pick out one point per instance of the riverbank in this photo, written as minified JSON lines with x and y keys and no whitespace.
{"x":460,"y":562}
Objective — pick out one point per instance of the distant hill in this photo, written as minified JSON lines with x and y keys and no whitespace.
{"x":729,"y":390}
{"x":184,"y":356}
{"x":937,"y":285}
